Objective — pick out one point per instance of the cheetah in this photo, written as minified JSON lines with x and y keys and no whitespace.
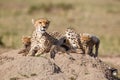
{"x":56,"y":34}
{"x":42,"y":41}
{"x":70,"y":44}
{"x":26,"y":40}
{"x":73,"y":40}
{"x":88,"y":41}
{"x":62,"y":47}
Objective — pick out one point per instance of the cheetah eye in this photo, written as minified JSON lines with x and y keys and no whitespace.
{"x":44,"y":26}
{"x":68,"y":33}
{"x":47,"y":22}
{"x":68,"y":37}
{"x":40,"y":22}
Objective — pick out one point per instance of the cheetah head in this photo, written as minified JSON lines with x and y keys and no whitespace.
{"x":26,"y":40}
{"x":41,"y":24}
{"x":85,"y":38}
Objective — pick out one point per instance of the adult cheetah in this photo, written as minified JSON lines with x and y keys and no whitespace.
{"x":71,"y":43}
{"x":73,"y":40}
{"x":41,"y":41}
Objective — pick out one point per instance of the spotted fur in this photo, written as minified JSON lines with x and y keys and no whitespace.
{"x":73,"y":40}
{"x":88,"y":42}
{"x":41,"y":41}
{"x":26,"y":40}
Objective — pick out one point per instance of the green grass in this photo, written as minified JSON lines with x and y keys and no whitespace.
{"x":98,"y":17}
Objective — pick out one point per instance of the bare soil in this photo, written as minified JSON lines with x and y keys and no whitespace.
{"x":14,"y":66}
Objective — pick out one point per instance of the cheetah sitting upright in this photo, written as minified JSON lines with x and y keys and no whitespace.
{"x":88,"y":41}
{"x":41,"y":41}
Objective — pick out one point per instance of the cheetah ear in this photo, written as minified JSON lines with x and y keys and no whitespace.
{"x":22,"y":37}
{"x":89,"y":36}
{"x":33,"y":21}
{"x":48,"y":21}
{"x":80,"y":34}
{"x":29,"y":36}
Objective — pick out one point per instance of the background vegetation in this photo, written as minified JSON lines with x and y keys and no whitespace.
{"x":98,"y":17}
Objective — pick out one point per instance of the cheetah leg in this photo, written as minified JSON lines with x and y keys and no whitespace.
{"x":25,"y":54}
{"x":53,"y":51}
{"x":66,"y":51}
{"x":56,"y":48}
{"x":22,"y":51}
{"x":39,"y":52}
{"x":69,"y":56}
{"x":34,"y":51}
{"x":96,"y":49}
{"x":91,"y":51}
{"x":87,"y":51}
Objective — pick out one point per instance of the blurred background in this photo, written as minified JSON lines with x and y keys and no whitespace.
{"x":98,"y":17}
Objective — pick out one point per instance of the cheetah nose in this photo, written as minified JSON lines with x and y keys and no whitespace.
{"x":44,"y":27}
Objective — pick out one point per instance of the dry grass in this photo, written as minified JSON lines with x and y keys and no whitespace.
{"x":98,"y":17}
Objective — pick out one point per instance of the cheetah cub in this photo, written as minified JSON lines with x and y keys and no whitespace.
{"x":88,"y":41}
{"x":26,"y":40}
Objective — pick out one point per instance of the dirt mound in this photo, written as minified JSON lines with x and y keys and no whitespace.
{"x":13,"y":66}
